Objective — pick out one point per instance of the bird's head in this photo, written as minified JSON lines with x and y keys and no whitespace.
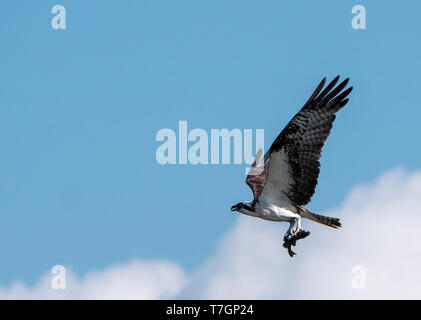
{"x":246,"y":207}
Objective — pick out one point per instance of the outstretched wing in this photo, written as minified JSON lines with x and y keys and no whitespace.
{"x":293,"y":159}
{"x":256,"y":178}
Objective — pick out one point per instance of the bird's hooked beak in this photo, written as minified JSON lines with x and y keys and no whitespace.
{"x":234,"y":208}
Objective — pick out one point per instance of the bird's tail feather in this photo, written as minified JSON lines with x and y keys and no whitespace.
{"x":328,"y":221}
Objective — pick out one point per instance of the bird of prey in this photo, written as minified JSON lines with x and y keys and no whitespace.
{"x":284,"y":181}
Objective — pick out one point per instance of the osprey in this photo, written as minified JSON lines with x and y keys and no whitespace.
{"x":284,"y":181}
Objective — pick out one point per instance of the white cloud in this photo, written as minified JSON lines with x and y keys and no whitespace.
{"x":380,"y":232}
{"x":133,"y":280}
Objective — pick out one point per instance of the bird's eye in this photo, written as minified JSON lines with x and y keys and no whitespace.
{"x":241,"y":205}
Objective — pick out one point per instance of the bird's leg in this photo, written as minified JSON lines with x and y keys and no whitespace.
{"x":298,"y":232}
{"x":294,"y":234}
{"x":298,"y":226}
{"x":289,"y":231}
{"x":289,"y":238}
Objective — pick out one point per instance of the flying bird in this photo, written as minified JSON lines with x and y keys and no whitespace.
{"x":284,"y":181}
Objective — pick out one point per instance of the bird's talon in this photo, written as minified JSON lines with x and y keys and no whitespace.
{"x":291,"y":240}
{"x":290,"y":252}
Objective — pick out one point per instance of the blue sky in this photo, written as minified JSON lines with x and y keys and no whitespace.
{"x":80,"y":108}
